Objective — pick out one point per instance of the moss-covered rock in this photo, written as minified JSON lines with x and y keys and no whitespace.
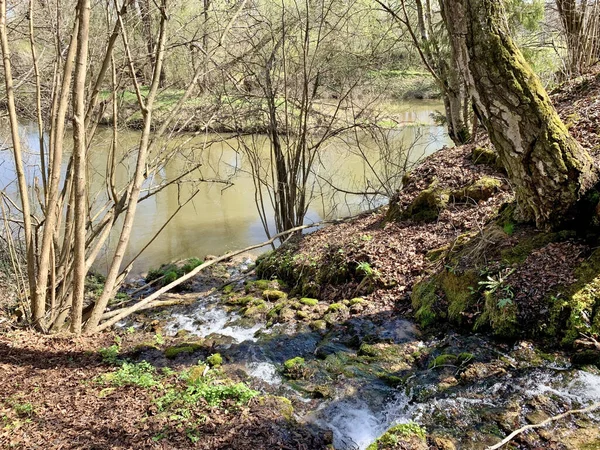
{"x":425,"y":302}
{"x":425,"y":207}
{"x":337,"y":307}
{"x":273,"y":295}
{"x":407,"y":436}
{"x":482,"y":189}
{"x":309,"y":301}
{"x":176,"y":350}
{"x":484,"y":155}
{"x":295,"y":368}
{"x":318,"y":325}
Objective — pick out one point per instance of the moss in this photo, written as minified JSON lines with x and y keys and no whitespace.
{"x":519,"y":253}
{"x":274,"y":312}
{"x":481,"y":189}
{"x":318,"y":325}
{"x":309,"y":301}
{"x":484,"y":155}
{"x":189,"y":348}
{"x":437,"y":253}
{"x":228,"y":289}
{"x":576,"y":311}
{"x":301,"y":315}
{"x":501,"y":319}
{"x":215,"y":360}
{"x":399,"y":433}
{"x":242,"y":301}
{"x":167,"y":273}
{"x":293,"y":362}
{"x":196,"y":373}
{"x":280,"y":404}
{"x":260,"y":285}
{"x":356,"y":301}
{"x":424,"y":298}
{"x":273,"y":295}
{"x":443,"y":360}
{"x":335,"y":307}
{"x":459,"y":290}
{"x":369,"y":350}
{"x":427,"y":205}
{"x":295,"y":368}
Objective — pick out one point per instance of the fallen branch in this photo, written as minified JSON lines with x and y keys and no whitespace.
{"x":512,"y":435}
{"x":112,"y":317}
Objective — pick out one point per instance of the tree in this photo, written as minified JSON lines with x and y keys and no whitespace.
{"x":549,"y":170}
{"x":431,"y":42}
{"x":581,"y":25}
{"x":64,"y":223}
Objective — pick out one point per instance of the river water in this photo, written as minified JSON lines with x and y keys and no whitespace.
{"x":219,"y":220}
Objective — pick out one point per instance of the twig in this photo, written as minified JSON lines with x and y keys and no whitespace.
{"x":512,"y":435}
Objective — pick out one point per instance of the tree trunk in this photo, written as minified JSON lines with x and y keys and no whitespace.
{"x":549,"y":170}
{"x":79,"y":153}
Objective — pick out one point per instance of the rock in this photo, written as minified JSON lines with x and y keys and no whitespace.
{"x":309,"y":301}
{"x":318,"y":325}
{"x":442,"y":443}
{"x":273,"y":295}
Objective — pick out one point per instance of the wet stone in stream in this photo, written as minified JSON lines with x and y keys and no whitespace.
{"x":366,"y":373}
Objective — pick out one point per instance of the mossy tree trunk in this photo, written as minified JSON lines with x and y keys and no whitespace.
{"x":549,"y":170}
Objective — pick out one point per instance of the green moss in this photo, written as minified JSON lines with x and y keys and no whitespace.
{"x":257,"y":285}
{"x":215,"y":360}
{"x":273,"y":295}
{"x":481,"y":189}
{"x":424,"y":298}
{"x":301,"y":315}
{"x":484,"y":155}
{"x":501,"y":319}
{"x":242,"y":301}
{"x":274,"y":312}
{"x":295,"y":368}
{"x":309,"y":301}
{"x":173,"y":352}
{"x":318,"y":325}
{"x":228,"y":289}
{"x":167,"y":273}
{"x":427,"y":205}
{"x":398,"y":433}
{"x":335,"y":307}
{"x":356,"y":301}
{"x":526,"y":245}
{"x":459,"y":290}
{"x":293,"y":362}
{"x":443,"y":360}
{"x":575,"y":312}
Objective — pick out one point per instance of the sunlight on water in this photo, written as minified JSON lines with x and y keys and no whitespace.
{"x":208,"y":319}
{"x":356,"y":425}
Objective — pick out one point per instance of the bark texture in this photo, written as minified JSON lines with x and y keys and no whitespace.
{"x":549,"y":170}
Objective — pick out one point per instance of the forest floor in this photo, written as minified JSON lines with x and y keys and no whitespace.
{"x":101,"y":392}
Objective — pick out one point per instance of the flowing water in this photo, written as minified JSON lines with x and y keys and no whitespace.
{"x":361,"y":408}
{"x":223,"y":218}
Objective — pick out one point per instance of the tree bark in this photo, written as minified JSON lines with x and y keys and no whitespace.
{"x":549,"y":170}
{"x":79,"y":153}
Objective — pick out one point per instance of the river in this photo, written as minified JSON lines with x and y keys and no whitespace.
{"x":221,"y":219}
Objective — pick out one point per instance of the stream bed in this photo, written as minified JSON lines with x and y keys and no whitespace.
{"x":368,"y":372}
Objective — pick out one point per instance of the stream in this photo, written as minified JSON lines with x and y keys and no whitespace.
{"x":351,"y":395}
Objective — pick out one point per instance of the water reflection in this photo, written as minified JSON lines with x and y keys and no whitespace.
{"x":220,"y":219}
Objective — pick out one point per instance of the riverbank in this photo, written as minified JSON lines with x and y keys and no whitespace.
{"x":439,"y":318}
